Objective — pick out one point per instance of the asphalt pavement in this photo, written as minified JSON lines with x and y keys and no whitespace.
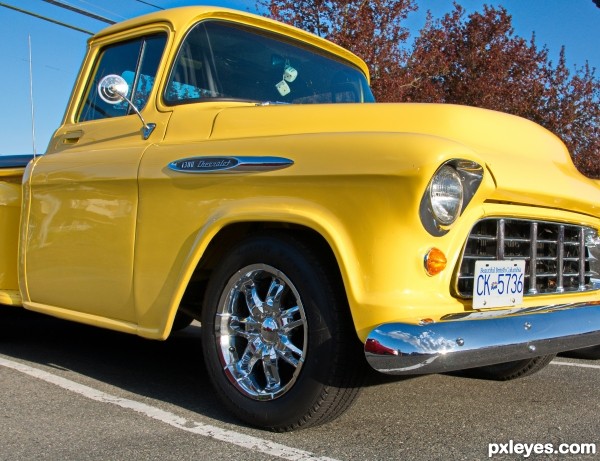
{"x":73,"y":392}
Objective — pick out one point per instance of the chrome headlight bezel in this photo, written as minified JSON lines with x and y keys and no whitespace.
{"x":442,"y":205}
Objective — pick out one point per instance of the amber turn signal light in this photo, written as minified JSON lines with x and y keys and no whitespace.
{"x":435,"y":261}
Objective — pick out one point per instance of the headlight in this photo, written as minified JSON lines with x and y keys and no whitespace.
{"x":446,"y":195}
{"x":449,"y":192}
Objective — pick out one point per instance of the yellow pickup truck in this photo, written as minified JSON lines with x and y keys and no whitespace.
{"x":219,"y":166}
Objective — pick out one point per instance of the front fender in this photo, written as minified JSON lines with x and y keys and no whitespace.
{"x":252,"y":211}
{"x":360,"y":191}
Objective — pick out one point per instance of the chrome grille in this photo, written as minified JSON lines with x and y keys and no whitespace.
{"x":557,"y":256}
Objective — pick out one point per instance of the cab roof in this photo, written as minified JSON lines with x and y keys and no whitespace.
{"x":179,"y":20}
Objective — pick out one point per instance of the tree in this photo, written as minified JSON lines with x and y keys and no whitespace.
{"x":478,"y":61}
{"x":572,"y":110}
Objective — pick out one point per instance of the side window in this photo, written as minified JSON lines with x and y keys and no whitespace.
{"x":137,"y":62}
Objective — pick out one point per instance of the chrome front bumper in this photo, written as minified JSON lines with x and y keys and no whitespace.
{"x":474,"y":339}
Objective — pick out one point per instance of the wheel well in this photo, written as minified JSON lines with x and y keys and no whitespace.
{"x":191,"y":303}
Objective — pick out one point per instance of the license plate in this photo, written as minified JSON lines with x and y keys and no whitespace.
{"x":498,"y":283}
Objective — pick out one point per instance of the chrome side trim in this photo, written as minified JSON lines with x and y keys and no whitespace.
{"x":222,"y":164}
{"x":473,"y":341}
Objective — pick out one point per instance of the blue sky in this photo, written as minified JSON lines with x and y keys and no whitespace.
{"x":57,"y":51}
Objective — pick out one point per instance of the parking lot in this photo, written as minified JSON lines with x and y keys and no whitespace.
{"x":73,"y":392}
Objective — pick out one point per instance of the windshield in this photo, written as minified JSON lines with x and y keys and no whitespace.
{"x":220,"y":60}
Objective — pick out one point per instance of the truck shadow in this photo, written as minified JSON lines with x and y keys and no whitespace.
{"x":172,"y":371}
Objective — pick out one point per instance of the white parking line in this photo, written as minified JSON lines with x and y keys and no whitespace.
{"x":205,"y":430}
{"x":571,"y":364}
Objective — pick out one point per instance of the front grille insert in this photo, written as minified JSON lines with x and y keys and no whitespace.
{"x":557,"y":256}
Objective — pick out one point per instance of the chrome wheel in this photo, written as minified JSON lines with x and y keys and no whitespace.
{"x":261,"y":331}
{"x":278,"y":341}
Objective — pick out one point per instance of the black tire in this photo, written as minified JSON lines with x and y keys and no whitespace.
{"x":511,"y":370}
{"x":290,"y":362}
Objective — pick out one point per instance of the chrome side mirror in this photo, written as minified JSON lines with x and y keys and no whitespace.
{"x":113,"y":89}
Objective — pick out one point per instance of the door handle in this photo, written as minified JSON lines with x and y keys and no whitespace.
{"x":71,"y":137}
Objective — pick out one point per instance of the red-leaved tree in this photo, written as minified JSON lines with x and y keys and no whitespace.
{"x":477,"y":60}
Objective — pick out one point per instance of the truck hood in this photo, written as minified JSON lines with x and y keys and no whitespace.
{"x":514,"y":150}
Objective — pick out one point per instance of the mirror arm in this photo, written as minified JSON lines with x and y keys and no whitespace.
{"x":148,"y":127}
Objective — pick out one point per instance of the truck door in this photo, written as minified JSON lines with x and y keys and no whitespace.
{"x":82,"y":195}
